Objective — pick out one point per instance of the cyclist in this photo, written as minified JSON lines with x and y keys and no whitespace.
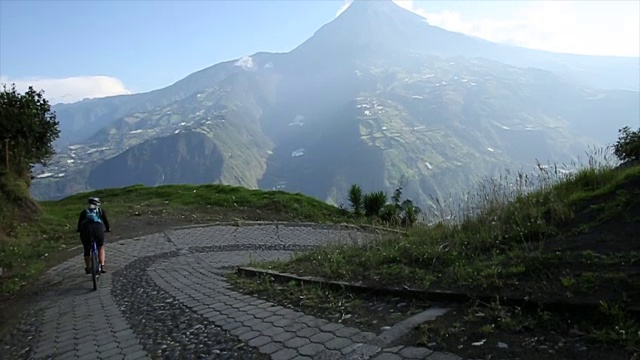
{"x":92,"y":223}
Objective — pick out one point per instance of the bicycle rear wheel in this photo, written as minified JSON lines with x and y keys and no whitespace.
{"x":94,"y":267}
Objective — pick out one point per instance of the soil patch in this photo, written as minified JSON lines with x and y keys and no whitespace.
{"x":474,"y":330}
{"x":501,"y":333}
{"x":365,"y":312}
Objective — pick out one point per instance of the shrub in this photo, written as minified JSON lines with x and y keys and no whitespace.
{"x":374,"y":202}
{"x":355,"y":198}
{"x":627,"y":148}
{"x":28,"y":129}
{"x":390,"y":215}
{"x":410,"y":213}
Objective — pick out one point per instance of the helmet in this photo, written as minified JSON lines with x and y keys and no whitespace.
{"x":94,"y":201}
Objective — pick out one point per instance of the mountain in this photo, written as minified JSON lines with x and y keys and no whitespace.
{"x":385,"y":27}
{"x":365,"y":28}
{"x":82,"y":119}
{"x":191,"y":157}
{"x":374,"y":96}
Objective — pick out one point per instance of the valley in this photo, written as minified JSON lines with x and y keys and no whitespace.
{"x":306,"y":121}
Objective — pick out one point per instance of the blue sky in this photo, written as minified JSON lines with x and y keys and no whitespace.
{"x":63,"y":46}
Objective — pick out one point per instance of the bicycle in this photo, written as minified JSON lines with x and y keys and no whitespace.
{"x":95,"y":264}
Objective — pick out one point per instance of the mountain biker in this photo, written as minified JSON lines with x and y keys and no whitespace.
{"x":92,"y":223}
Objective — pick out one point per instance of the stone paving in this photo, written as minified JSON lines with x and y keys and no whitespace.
{"x":165,"y":297}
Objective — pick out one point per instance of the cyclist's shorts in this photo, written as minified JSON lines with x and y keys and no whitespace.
{"x":91,"y":230}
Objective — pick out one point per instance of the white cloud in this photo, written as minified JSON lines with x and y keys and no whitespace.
{"x":553,"y":26}
{"x":71,"y":89}
{"x":345,"y":5}
{"x":591,"y":27}
{"x":246,"y":63}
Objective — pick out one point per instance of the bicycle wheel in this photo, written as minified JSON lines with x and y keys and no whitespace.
{"x":94,"y":267}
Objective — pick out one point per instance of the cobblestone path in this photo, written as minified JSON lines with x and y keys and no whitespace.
{"x":165,"y":298}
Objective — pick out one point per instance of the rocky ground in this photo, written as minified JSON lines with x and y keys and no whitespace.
{"x":472,"y":331}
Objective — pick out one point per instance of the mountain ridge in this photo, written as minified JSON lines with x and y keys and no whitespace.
{"x":305,"y":142}
{"x":314,"y":120}
{"x":625,"y":73}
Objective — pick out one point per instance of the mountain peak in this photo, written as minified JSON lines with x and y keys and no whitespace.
{"x":372,"y":4}
{"x":379,"y":10}
{"x":379,"y":26}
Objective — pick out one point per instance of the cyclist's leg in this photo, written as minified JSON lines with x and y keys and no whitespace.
{"x":98,"y":235}
{"x":85,"y":238}
{"x":101,"y":254}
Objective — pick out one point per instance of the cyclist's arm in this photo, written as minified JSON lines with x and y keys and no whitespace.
{"x":80,"y":219}
{"x":103,"y":215}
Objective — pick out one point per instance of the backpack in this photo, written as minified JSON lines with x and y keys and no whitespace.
{"x":92,"y":216}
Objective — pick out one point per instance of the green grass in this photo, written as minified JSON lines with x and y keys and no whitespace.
{"x":204,"y":198}
{"x":27,"y":244}
{"x":547,"y":237}
{"x":605,"y":325}
{"x":502,"y":240}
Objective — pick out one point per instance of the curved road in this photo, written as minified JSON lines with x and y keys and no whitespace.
{"x":165,"y":298}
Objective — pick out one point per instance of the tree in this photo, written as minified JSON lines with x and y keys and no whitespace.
{"x":374,"y":202}
{"x":376,"y":206}
{"x":627,"y":148}
{"x":355,"y":198}
{"x":29,"y":126}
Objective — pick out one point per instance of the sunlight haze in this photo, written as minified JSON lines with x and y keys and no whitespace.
{"x":99,"y":48}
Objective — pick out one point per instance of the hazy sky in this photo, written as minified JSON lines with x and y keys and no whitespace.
{"x":77,"y":49}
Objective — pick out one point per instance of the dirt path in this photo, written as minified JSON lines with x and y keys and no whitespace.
{"x":166,"y":297}
{"x":11,"y":307}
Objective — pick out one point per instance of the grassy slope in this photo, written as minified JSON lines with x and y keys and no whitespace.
{"x":137,"y":209}
{"x":588,"y":219}
{"x":207,"y":201}
{"x":569,"y":239}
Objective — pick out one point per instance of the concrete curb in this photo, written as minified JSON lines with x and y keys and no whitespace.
{"x":433,"y":295}
{"x":403,"y":327}
{"x":372,"y":347}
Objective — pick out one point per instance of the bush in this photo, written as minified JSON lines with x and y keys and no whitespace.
{"x":396,"y":213}
{"x":410,"y":213}
{"x":374,"y":202}
{"x":355,"y":198}
{"x":28,"y":129}
{"x":627,"y":148}
{"x":390,"y":215}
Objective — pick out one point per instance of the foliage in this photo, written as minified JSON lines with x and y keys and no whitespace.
{"x":29,"y":125}
{"x":27,"y":131}
{"x":627,"y":148}
{"x":389,"y":215}
{"x":503,"y":237}
{"x":355,"y":198}
{"x":400,"y":213}
{"x":552,"y":236}
{"x":615,"y":326}
{"x":410,"y":213}
{"x":374,"y":202}
{"x":396,"y":213}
